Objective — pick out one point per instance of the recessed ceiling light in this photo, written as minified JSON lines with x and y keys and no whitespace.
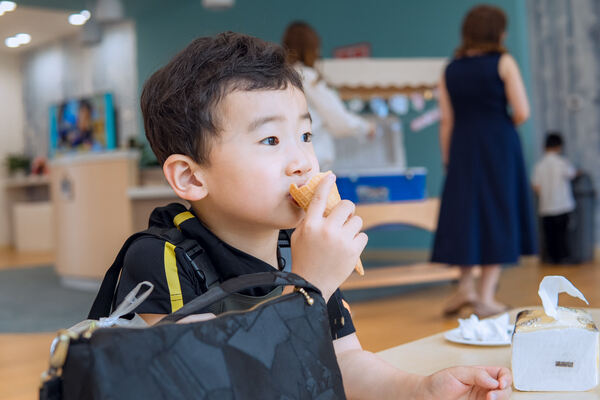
{"x":23,"y":38}
{"x":7,"y":6}
{"x":77,"y":19}
{"x":12,"y":42}
{"x":17,"y":40}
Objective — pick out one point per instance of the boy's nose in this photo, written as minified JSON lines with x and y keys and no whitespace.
{"x":300,"y":162}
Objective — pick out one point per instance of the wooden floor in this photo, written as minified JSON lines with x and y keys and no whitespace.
{"x":380,"y":324}
{"x":10,"y":258}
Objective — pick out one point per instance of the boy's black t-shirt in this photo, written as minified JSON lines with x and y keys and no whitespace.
{"x":147,"y":260}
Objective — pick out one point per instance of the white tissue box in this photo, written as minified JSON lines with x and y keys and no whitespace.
{"x":555,"y":354}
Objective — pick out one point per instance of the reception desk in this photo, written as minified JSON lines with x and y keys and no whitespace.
{"x":144,"y":199}
{"x":92,"y":211}
{"x":28,"y":211}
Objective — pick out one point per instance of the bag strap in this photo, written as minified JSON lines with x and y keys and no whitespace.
{"x":285,"y":238}
{"x":234,"y":285}
{"x":104,"y":298}
{"x":188,"y":252}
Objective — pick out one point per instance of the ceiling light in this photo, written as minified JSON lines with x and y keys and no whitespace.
{"x":7,"y":6}
{"x":17,"y":40}
{"x":77,"y":19}
{"x":23,"y":38}
{"x":12,"y":42}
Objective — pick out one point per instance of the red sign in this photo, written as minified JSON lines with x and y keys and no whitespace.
{"x":353,"y":51}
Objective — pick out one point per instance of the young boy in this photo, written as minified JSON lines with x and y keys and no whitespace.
{"x":552,"y":182}
{"x":228,"y":121}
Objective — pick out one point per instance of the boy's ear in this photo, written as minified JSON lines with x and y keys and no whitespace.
{"x":185,"y":177}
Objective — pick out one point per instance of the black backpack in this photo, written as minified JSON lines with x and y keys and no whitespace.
{"x":189,"y":254}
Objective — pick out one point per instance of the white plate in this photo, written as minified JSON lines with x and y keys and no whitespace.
{"x":455,"y":336}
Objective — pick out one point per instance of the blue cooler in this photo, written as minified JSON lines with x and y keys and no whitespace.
{"x":382,"y":186}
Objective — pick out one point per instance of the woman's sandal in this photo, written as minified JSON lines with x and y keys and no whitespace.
{"x":453,"y":309}
{"x":483,"y":310}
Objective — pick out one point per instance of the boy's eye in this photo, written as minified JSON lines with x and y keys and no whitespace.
{"x":307,"y":137}
{"x":271,"y":141}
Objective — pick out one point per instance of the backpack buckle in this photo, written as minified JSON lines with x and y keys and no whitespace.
{"x":199,"y":272}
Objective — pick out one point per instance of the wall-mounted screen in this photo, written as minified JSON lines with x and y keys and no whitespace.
{"x":83,"y":125}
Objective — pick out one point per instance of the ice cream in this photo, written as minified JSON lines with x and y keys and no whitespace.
{"x":303,"y":195}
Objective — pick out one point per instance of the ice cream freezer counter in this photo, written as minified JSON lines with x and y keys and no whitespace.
{"x":421,"y":214}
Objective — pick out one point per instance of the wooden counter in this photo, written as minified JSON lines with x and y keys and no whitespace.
{"x":92,"y":210}
{"x":421,"y":214}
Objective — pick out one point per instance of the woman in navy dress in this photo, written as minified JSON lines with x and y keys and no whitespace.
{"x":486,"y":215}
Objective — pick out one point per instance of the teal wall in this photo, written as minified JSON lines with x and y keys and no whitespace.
{"x":395,"y":28}
{"x":425,"y":28}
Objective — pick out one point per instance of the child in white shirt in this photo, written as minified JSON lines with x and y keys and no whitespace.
{"x":552,"y":182}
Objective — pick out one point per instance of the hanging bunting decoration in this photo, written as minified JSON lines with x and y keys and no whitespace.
{"x":356,"y":105}
{"x":379,"y":107}
{"x":399,"y":104}
{"x":426,"y":119}
{"x":418,"y":102}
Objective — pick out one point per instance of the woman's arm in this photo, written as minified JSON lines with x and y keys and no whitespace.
{"x":336,"y":117}
{"x":446,"y":121}
{"x":514,"y":88}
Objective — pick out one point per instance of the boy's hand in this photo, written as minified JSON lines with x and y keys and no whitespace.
{"x":472,"y":383}
{"x":326,"y":249}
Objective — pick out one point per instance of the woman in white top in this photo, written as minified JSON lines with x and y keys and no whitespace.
{"x":329,"y":114}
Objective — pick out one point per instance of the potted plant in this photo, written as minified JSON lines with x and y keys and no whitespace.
{"x":17,"y":164}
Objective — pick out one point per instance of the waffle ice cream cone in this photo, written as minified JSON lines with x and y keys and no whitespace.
{"x":303,"y":195}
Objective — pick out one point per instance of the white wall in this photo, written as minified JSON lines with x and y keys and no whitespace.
{"x":68,"y":69}
{"x":11,"y":127}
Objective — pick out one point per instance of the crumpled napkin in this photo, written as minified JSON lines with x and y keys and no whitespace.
{"x":490,"y":329}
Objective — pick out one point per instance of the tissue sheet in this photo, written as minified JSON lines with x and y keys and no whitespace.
{"x":551,"y":354}
{"x":490,"y":329}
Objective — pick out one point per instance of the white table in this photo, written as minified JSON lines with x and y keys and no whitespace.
{"x":430,"y":354}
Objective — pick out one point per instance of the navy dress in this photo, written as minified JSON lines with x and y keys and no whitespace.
{"x":486,"y":215}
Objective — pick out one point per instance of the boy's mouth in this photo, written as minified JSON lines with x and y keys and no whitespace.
{"x":294,"y":201}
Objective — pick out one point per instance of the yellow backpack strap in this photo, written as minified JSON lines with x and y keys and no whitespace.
{"x":181,"y":217}
{"x":172,"y":277}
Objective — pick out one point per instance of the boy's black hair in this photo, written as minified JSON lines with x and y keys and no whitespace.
{"x":179,"y":100}
{"x":553,"y":140}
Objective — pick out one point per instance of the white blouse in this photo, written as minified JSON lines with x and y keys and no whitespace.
{"x":329,"y":116}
